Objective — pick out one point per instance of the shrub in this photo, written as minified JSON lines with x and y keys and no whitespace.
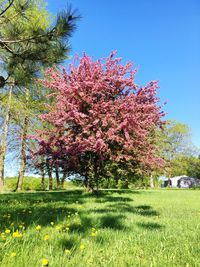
{"x":107,"y":183}
{"x":196,"y":187}
{"x":122,"y":184}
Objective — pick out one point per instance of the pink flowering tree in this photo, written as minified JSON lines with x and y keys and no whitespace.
{"x":100,"y":115}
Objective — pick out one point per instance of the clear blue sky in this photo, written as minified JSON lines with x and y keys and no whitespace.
{"x":162,"y":38}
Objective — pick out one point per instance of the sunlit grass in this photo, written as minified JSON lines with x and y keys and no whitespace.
{"x":115,"y":228}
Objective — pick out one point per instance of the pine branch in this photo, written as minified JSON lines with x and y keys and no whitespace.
{"x":66,"y":23}
{"x":64,"y":27}
{"x":4,"y":11}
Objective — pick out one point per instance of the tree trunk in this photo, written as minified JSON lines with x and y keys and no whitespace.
{"x":42,"y":173}
{"x":63,"y":179}
{"x":42,"y":182}
{"x":96,"y":175}
{"x":88,"y":185}
{"x":49,"y":171}
{"x":169,"y":177}
{"x":57,"y":178}
{"x":151,"y":181}
{"x":90,"y":174}
{"x":23,"y":155}
{"x":126,"y":183}
{"x":3,"y":147}
{"x":63,"y":182}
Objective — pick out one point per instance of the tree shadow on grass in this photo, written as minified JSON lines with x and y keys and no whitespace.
{"x":121,"y":191}
{"x":113,"y":222}
{"x":146,"y":210}
{"x":122,"y":207}
{"x":69,"y":197}
{"x":113,"y":199}
{"x":86,"y":224}
{"x":144,"y":207}
{"x":150,"y":226}
{"x":45,"y":207}
{"x":67,"y":243}
{"x":127,"y":208}
{"x":110,"y":221}
{"x":41,"y":215}
{"x":103,"y":210}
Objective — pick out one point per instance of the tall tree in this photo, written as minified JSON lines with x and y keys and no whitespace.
{"x":29,"y":42}
{"x":100,"y":114}
{"x":175,"y":144}
{"x":3,"y":145}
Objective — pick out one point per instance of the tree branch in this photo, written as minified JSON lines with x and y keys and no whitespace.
{"x":7,"y":48}
{"x":10,"y":4}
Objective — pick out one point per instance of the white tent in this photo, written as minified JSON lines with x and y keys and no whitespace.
{"x":174,"y":180}
{"x":184,"y":181}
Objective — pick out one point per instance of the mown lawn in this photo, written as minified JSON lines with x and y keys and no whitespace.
{"x":117,"y":228}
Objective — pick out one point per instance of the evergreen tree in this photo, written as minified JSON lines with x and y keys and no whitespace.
{"x":29,"y":42}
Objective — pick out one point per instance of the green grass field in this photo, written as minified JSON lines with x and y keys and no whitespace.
{"x":117,"y":228}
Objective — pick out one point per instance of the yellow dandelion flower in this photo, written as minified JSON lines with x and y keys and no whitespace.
{"x":45,"y":262}
{"x":67,"y":251}
{"x":93,"y":234}
{"x":13,"y":254}
{"x":7,"y":231}
{"x":17,"y":234}
{"x":82,"y":247}
{"x":46,"y":237}
{"x":38,"y":227}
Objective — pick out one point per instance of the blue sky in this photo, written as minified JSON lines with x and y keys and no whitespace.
{"x":162,"y":38}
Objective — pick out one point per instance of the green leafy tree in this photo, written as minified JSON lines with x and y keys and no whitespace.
{"x":193,"y":168}
{"x":175,"y":145}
